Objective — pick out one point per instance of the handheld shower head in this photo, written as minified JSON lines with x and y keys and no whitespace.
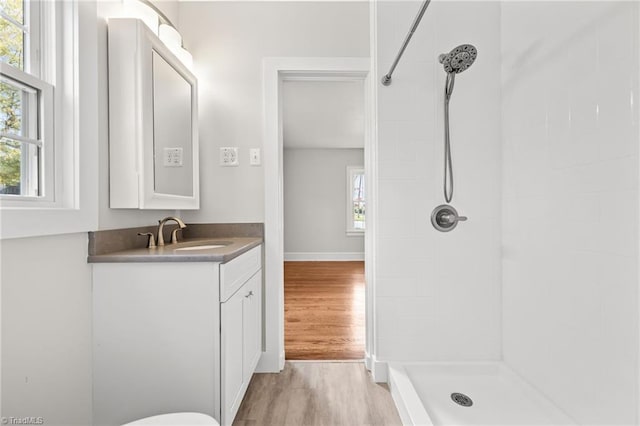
{"x":459,"y":59}
{"x":454,"y":62}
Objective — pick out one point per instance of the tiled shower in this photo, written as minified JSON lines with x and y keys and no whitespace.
{"x":544,"y":274}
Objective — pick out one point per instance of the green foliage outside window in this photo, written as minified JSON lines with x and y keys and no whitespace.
{"x":12,"y":53}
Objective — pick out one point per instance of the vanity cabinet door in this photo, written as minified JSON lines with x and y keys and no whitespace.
{"x":232,"y":355}
{"x":252,"y":324}
{"x":241,"y":328}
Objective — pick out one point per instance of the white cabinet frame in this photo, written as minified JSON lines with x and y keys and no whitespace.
{"x":131,"y":133}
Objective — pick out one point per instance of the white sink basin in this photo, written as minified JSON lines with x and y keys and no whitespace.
{"x":204,"y":247}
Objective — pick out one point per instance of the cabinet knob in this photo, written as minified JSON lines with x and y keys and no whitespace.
{"x":249,"y":294}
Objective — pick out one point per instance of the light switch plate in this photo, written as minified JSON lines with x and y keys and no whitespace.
{"x":229,"y":156}
{"x":254,"y":157}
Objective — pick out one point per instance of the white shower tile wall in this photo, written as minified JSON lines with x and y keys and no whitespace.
{"x":438,"y":295}
{"x":570,"y":203}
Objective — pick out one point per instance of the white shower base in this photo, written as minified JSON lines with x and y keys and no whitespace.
{"x":422,"y":394}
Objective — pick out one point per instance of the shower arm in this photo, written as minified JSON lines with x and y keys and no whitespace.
{"x":386,"y":80}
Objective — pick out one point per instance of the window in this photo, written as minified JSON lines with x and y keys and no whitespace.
{"x":26,"y":104}
{"x":48,"y":117}
{"x":355,"y":201}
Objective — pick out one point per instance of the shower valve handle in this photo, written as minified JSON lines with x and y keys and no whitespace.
{"x":445,"y":218}
{"x":453,"y":218}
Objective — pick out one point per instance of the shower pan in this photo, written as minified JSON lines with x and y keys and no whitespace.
{"x":482,"y":393}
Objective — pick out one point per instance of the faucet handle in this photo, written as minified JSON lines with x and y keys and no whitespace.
{"x":152,"y":240}
{"x":174,"y":235}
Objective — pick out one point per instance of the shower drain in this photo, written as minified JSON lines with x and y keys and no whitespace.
{"x":461,"y":399}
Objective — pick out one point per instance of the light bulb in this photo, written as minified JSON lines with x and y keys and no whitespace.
{"x":169,"y":35}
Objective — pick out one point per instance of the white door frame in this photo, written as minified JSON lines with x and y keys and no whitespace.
{"x":276,"y":71}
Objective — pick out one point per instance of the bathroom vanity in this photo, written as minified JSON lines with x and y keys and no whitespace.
{"x":176,"y":328}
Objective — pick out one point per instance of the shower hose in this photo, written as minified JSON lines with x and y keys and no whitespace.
{"x":448,"y":163}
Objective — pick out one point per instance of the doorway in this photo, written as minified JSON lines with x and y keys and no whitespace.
{"x":324,"y":218}
{"x":277,"y":71}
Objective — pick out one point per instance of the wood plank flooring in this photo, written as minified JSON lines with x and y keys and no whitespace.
{"x":317,"y":393}
{"x":324,"y":310}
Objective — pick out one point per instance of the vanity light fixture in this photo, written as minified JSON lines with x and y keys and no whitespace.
{"x":144,"y":11}
{"x":169,"y":35}
{"x":160,"y":25}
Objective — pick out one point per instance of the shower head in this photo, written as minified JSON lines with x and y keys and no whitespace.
{"x":459,"y":59}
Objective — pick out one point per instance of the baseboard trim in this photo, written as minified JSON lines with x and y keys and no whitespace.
{"x":368,"y":361}
{"x":326,"y":361}
{"x":326,"y":257}
{"x":379,"y":370}
{"x":269,"y":363}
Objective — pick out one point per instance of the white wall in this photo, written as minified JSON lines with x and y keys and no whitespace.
{"x":229,"y":41}
{"x":315,"y":202}
{"x":570,"y":242}
{"x":46,"y":329}
{"x":438,"y":294}
{"x":323,"y":114}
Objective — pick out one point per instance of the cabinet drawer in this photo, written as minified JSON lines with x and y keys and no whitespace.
{"x":235,"y":273}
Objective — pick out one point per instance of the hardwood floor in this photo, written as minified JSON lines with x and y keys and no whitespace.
{"x":317,"y":393}
{"x":324,"y":310}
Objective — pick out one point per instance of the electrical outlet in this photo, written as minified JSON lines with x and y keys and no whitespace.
{"x":254,"y":156}
{"x":229,"y":156}
{"x":172,"y":157}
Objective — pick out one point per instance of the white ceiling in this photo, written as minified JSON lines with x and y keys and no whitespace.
{"x":323,"y":114}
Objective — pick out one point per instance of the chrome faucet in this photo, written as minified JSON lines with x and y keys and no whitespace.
{"x":174,"y":233}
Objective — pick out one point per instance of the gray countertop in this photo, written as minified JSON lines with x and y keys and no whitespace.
{"x":233,"y":247}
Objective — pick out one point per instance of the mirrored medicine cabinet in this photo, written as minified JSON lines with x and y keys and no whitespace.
{"x":153,"y":110}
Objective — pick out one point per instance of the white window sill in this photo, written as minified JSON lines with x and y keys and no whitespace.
{"x":355,"y":233}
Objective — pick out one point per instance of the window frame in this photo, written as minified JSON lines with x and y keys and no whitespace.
{"x":37,"y":74}
{"x":32,"y":29}
{"x":351,"y":172}
{"x":72,"y":58}
{"x":44,"y":113}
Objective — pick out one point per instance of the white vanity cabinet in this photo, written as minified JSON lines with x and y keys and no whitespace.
{"x":241,"y":328}
{"x":175,"y":336}
{"x":241,"y":321}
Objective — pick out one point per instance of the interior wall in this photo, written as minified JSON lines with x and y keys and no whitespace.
{"x":438,"y":294}
{"x":46,"y":329}
{"x":570,"y":268}
{"x":229,"y":40}
{"x":315,"y":203}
